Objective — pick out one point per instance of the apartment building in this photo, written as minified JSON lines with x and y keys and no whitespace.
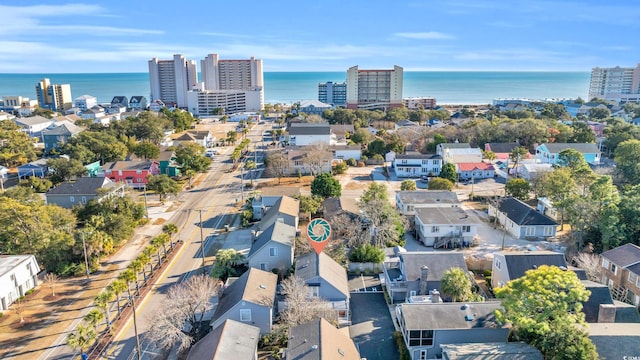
{"x":374,"y":89}
{"x":621,"y":272}
{"x":617,"y":83}
{"x":52,"y":96}
{"x":85,"y":102}
{"x":172,"y":79}
{"x":333,"y":93}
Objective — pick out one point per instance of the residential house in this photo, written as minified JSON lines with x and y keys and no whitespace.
{"x":531,"y":171}
{"x":545,"y":207}
{"x":313,"y":107}
{"x":337,"y":206}
{"x":602,"y":308}
{"x":116,"y":109}
{"x":93,"y":169}
{"x":266,"y":197}
{"x":56,"y":137}
{"x":138,"y":103}
{"x":425,"y":327}
{"x":301,"y":134}
{"x":548,"y":153}
{"x":273,"y":248}
{"x":341,"y":133}
{"x":95,"y":114}
{"x":167,"y":163}
{"x":37,"y":168}
{"x":133,"y":173}
{"x":301,"y":163}
{"x":621,"y":272}
{"x":4,"y":173}
{"x":248,"y":299}
{"x":415,"y":165}
{"x":501,"y":150}
{"x":458,"y":152}
{"x":230,"y":340}
{"x":511,"y":265}
{"x":156,"y":105}
{"x":490,"y":351}
{"x":615,"y":341}
{"x":418,"y":273}
{"x":320,"y":340}
{"x":406,"y":123}
{"x":447,"y":227}
{"x":346,"y":152}
{"x":522,"y":221}
{"x":120,"y":100}
{"x":84,"y":189}
{"x":408,"y":201}
{"x":201,"y":137}
{"x":6,"y":116}
{"x":285,"y":210}
{"x":18,"y":274}
{"x":475,"y":170}
{"x":34,"y":125}
{"x":85,"y":102}
{"x":326,"y":279}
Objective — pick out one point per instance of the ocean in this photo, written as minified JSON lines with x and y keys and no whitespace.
{"x":448,"y":87}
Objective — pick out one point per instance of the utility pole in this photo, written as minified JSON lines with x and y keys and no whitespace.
{"x":135,"y":327}
{"x":242,"y":182}
{"x":146,"y":208}
{"x":201,"y":241}
{"x":86,"y":261}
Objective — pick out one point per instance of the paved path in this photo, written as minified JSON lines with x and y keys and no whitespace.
{"x":372,"y":328}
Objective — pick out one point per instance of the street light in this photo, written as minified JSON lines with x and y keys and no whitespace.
{"x":135,"y":327}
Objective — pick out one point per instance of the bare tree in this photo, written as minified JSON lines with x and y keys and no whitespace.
{"x":301,"y":306}
{"x":591,"y":265}
{"x":352,"y":230}
{"x":317,"y":157}
{"x":180,"y":319}
{"x":51,"y":280}
{"x":277,"y":164}
{"x":19,"y":307}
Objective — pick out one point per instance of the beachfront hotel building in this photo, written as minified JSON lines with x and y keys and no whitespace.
{"x":374,"y":89}
{"x":415,"y":103}
{"x":231,"y":85}
{"x":53,"y":97}
{"x":172,"y":79}
{"x":333,"y":93}
{"x":617,"y":83}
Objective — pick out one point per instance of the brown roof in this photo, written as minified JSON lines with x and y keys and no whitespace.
{"x":289,"y":206}
{"x":318,"y":339}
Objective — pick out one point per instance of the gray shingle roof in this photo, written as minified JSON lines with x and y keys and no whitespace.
{"x":82,"y":186}
{"x":318,"y":339}
{"x":230,"y":340}
{"x":428,"y":197}
{"x":437,"y":262}
{"x":64,"y":129}
{"x":32,"y":120}
{"x":418,"y":156}
{"x":556,"y":148}
{"x":522,"y":214}
{"x":277,"y":232}
{"x":519,"y":262}
{"x":624,"y":255}
{"x":311,"y":265}
{"x":255,"y":286}
{"x":491,"y":351}
{"x":455,"y":145}
{"x":449,"y":315}
{"x":600,"y":294}
{"x":615,"y":341}
{"x":443,"y":215}
{"x":503,"y":147}
{"x":309,"y":129}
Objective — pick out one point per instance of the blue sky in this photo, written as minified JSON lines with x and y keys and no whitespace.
{"x":121,"y":36}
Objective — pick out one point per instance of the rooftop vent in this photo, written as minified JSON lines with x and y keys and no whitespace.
{"x":340,"y":351}
{"x":469,"y":317}
{"x":314,"y":347}
{"x":262,"y":286}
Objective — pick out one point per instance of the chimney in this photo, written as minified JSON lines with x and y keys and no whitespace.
{"x":435,"y":296}
{"x":607,"y":313}
{"x":424,"y":275}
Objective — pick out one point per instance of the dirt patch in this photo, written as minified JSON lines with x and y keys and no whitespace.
{"x":159,"y":221}
{"x":355,"y":186}
{"x":303,"y":182}
{"x":174,"y":206}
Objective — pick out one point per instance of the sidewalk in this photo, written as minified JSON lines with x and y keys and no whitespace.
{"x":49,"y":319}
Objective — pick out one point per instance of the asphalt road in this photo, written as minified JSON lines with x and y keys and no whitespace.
{"x":214,"y":198}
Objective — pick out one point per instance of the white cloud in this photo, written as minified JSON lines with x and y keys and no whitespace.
{"x":49,"y":10}
{"x":429,"y":35}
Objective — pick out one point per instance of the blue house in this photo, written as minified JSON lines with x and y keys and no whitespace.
{"x":37,"y":168}
{"x":548,"y":153}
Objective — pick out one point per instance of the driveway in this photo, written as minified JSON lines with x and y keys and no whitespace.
{"x":372,"y":327}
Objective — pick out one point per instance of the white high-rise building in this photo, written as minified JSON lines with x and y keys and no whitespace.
{"x":617,"y":83}
{"x":172,"y":79}
{"x":374,"y":89}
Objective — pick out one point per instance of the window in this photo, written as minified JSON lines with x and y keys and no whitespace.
{"x":605,"y":263}
{"x":423,"y":354}
{"x":614,"y":269}
{"x":138,"y":171}
{"x":466,"y":228}
{"x":315,"y":290}
{"x":530,"y":231}
{"x":548,"y":230}
{"x":273,"y":251}
{"x":84,"y":199}
{"x":263,"y":266}
{"x":72,"y":199}
{"x":498,"y":264}
{"x":245,"y":314}
{"x":435,"y":229}
{"x":421,"y":338}
{"x":632,"y":278}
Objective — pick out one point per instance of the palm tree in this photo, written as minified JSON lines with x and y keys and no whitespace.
{"x":82,"y":338}
{"x":159,"y":242}
{"x":102,"y":301}
{"x":117,"y":287}
{"x":148,"y":253}
{"x":129,"y":276}
{"x":170,"y":229}
{"x":250,"y":165}
{"x":456,"y":284}
{"x":93,"y":318}
{"x":138,"y":266}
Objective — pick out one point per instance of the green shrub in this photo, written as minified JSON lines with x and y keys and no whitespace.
{"x":1,"y":314}
{"x":247,"y":217}
{"x":378,"y":157}
{"x":402,"y":347}
{"x":366,"y":253}
{"x":29,"y":292}
{"x":352,"y":162}
{"x":340,"y":168}
{"x":486,"y":273}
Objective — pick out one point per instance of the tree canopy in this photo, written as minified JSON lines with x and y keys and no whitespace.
{"x":325,"y":185}
{"x":440,"y":184}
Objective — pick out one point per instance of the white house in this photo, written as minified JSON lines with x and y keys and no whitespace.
{"x":85,"y":102}
{"x":459,"y":152}
{"x":33,"y":125}
{"x":444,"y":227}
{"x":301,"y":134}
{"x":313,"y":107}
{"x":415,"y":164}
{"x":408,"y":201}
{"x":522,"y":221}
{"x":93,"y":113}
{"x":18,"y":274}
{"x":345,"y":152}
{"x":531,"y":171}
